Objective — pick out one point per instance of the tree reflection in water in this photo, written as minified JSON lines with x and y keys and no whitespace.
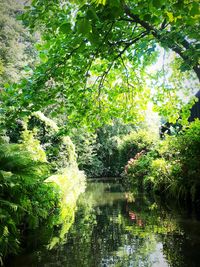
{"x":119,"y":229}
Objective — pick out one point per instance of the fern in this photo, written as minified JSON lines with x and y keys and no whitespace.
{"x":28,"y":199}
{"x":22,"y":188}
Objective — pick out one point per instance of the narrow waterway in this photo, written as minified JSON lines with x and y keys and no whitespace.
{"x":117,"y":228}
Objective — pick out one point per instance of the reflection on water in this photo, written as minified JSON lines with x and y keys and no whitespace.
{"x":119,"y":229}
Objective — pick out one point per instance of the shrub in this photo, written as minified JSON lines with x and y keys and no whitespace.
{"x":173,"y":166}
{"x":87,"y":149}
{"x":98,"y":152}
{"x":137,"y":169}
{"x":30,"y":196}
{"x":61,"y":152}
{"x":134,"y":143}
{"x":23,"y":205}
{"x":59,"y":149}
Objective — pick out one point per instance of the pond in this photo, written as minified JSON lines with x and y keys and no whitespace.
{"x":117,"y":228}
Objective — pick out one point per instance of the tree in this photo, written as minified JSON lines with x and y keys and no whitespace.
{"x":173,"y":24}
{"x":16,"y":44}
{"x":94,"y":57}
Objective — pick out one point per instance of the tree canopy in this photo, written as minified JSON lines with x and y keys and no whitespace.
{"x":94,"y":55}
{"x":16,"y":43}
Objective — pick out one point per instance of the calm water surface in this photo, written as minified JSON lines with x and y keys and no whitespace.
{"x":121,"y":229}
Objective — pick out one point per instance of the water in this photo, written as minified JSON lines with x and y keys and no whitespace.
{"x":121,"y":229}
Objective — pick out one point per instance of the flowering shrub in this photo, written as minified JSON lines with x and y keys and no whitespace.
{"x":172,"y":167}
{"x":138,"y":168}
{"x":132,"y":161}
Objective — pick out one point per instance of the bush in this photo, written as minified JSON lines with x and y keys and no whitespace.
{"x":98,"y":153}
{"x":116,"y":149}
{"x":134,"y":143}
{"x":61,"y":152}
{"x":23,"y":205}
{"x":137,"y":169}
{"x":35,"y":192}
{"x":87,"y":150}
{"x":59,"y":149}
{"x":173,"y":166}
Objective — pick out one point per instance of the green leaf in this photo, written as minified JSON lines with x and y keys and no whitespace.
{"x":43,"y":57}
{"x":91,"y":14}
{"x":156,"y":3}
{"x":83,"y":26}
{"x":93,"y":38}
{"x":147,"y":17}
{"x":170,"y":16}
{"x":65,"y":28}
{"x":195,"y":9}
{"x":99,"y":2}
{"x":114,"y":3}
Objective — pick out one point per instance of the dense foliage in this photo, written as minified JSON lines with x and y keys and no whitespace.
{"x":22,"y":189}
{"x":37,"y":188}
{"x":16,"y":43}
{"x":172,"y":167}
{"x":98,"y":153}
{"x":106,"y":152}
{"x":94,"y":60}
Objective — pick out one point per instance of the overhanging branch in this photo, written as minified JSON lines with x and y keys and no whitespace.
{"x":157,"y":35}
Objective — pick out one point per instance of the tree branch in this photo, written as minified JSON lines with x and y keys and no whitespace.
{"x":174,"y":46}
